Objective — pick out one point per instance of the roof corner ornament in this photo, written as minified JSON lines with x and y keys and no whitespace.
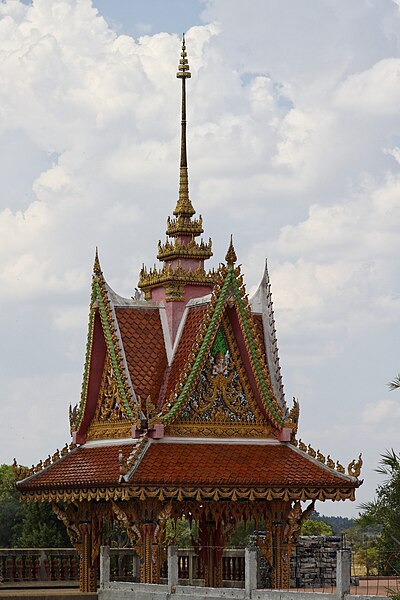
{"x":354,"y":468}
{"x":231,"y":257}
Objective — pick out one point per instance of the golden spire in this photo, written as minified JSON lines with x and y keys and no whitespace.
{"x":231,"y":257}
{"x":184,"y":206}
{"x":183,"y":256}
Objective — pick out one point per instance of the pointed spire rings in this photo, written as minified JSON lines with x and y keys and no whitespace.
{"x":231,"y":257}
{"x":184,"y":206}
{"x":183,"y":68}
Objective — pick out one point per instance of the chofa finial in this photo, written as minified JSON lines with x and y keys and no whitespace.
{"x":231,"y":257}
{"x":96,"y":266}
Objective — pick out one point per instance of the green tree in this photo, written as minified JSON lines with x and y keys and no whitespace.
{"x":41,"y":528}
{"x":384,"y":512}
{"x":179,"y":533}
{"x":11,"y":511}
{"x":311,"y":527}
{"x":28,"y":525}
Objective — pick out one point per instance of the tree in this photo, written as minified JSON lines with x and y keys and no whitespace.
{"x":311,"y":527}
{"x":41,"y":528}
{"x":28,"y":525}
{"x":11,"y":511}
{"x":384,"y":511}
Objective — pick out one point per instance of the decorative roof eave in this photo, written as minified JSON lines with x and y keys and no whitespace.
{"x":192,"y":250}
{"x":197,"y":493}
{"x":229,"y":288}
{"x":24,"y":475}
{"x":101,"y":300}
{"x":184,"y":226}
{"x":262,"y":303}
{"x":168,"y":275}
{"x":325,"y":462}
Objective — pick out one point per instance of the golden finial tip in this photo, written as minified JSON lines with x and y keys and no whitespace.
{"x":183,"y":67}
{"x":231,"y":257}
{"x":97,"y":267}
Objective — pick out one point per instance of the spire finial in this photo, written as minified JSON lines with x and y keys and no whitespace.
{"x":231,"y":257}
{"x":184,"y":206}
{"x":96,"y":266}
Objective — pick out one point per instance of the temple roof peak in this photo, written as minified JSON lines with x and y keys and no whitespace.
{"x":96,"y":264}
{"x":231,"y":257}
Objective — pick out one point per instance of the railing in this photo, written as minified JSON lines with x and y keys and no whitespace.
{"x":178,"y":564}
{"x":191,"y":571}
{"x":21,"y":566}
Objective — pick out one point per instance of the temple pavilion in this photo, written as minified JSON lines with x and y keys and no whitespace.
{"x":183,"y":414}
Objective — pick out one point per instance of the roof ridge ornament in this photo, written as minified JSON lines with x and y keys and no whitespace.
{"x":231,"y":257}
{"x":96,"y":266}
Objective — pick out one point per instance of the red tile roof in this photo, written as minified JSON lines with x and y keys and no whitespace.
{"x":143,"y":341}
{"x":269,"y":465}
{"x":242,"y":465}
{"x":82,"y":467}
{"x":193,"y":321}
{"x":194,"y":465}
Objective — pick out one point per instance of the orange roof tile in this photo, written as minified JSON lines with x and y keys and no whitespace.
{"x":194,"y":465}
{"x":143,"y":341}
{"x":193,"y":321}
{"x":82,"y":467}
{"x":232,"y":465}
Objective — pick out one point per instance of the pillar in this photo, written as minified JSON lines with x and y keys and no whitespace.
{"x":211,"y":547}
{"x":343,"y":565}
{"x":250,"y":571}
{"x":150,"y":554}
{"x":104,"y":566}
{"x":172,"y":568}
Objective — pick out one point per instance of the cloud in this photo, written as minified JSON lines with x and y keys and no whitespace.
{"x":375,"y":91}
{"x":381,"y":411}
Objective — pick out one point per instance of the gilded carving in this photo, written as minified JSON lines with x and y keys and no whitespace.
{"x":110,"y":419}
{"x":354,"y":468}
{"x":221,"y":402}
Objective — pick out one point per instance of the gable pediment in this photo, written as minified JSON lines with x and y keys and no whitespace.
{"x":224,"y":388}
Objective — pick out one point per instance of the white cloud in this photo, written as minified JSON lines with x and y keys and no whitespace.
{"x":381,"y":411}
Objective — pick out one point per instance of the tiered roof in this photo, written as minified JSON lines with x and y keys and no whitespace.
{"x":194,"y":413}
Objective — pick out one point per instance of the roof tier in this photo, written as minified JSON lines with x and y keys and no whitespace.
{"x":187,"y":469}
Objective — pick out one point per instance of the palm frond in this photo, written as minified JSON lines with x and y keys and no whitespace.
{"x":395,"y":383}
{"x":389,"y":463}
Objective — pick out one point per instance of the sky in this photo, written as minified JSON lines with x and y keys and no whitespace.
{"x":293,"y":147}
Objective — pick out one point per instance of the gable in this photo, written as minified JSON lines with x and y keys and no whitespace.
{"x":228,"y":308}
{"x":110,"y":419}
{"x":221,"y":402}
{"x":103,"y":341}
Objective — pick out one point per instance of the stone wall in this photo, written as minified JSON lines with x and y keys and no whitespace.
{"x":313,"y":562}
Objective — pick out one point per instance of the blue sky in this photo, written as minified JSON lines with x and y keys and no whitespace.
{"x":136,"y":18}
